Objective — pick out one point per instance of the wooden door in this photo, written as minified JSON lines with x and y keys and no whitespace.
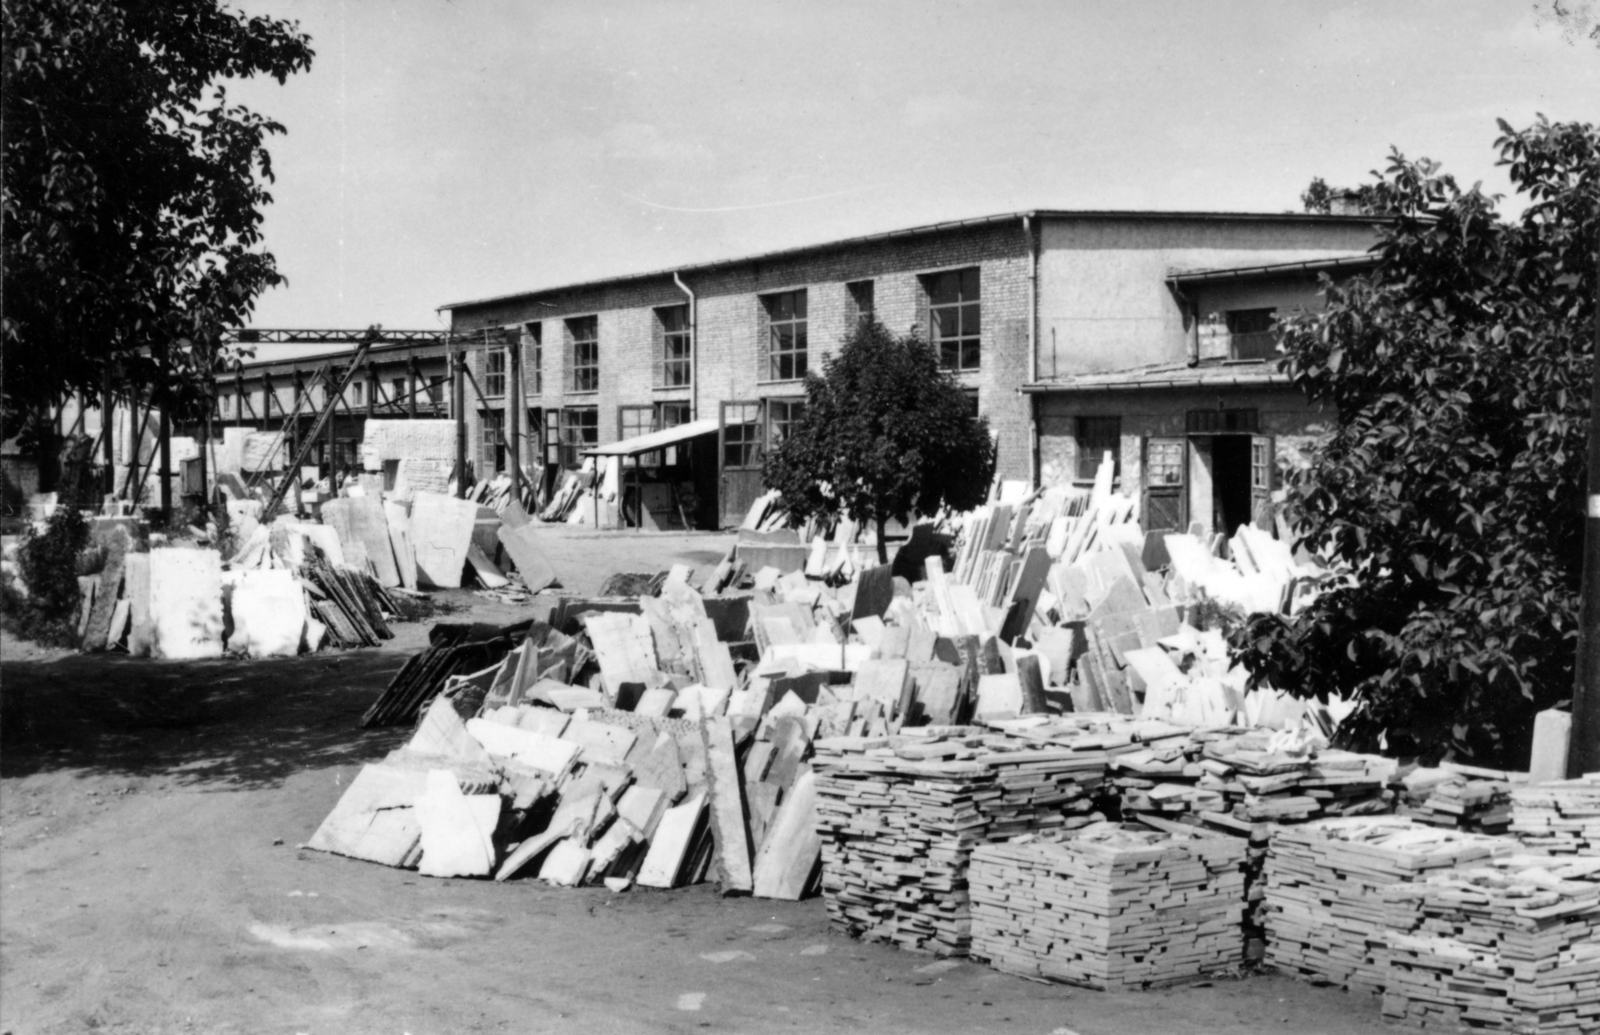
{"x":1164,"y":506}
{"x":1263,"y":472}
{"x":740,"y":451}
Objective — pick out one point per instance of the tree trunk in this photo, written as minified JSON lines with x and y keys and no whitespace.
{"x":883,"y":545}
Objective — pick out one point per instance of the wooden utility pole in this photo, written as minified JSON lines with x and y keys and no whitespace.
{"x":515,"y":409}
{"x":458,"y":404}
{"x":1583,"y":747}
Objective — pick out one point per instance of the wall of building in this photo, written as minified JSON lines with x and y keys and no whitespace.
{"x":1103,"y":299}
{"x":730,"y":352}
{"x":1283,"y":412}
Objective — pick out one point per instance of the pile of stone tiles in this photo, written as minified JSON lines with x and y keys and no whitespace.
{"x":1109,"y":906}
{"x":1511,"y":944}
{"x":1325,"y":886}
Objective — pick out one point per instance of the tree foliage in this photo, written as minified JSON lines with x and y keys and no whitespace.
{"x":885,"y":433}
{"x":1452,"y":483}
{"x":133,"y":193}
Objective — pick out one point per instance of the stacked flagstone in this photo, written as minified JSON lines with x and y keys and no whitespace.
{"x":899,"y":818}
{"x":1510,"y":945}
{"x":1325,"y":883}
{"x":1562,"y":817}
{"x":1110,"y":907}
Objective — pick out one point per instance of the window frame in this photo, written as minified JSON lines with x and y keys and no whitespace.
{"x":578,"y":434}
{"x":494,"y":373}
{"x":1252,"y":328}
{"x":492,"y":456}
{"x":674,"y":331}
{"x":533,"y":354}
{"x":797,"y":323}
{"x":861,"y":302}
{"x":1101,"y":432}
{"x":650,"y":415}
{"x":966,"y":342}
{"x":792,"y":409}
{"x":583,"y":378}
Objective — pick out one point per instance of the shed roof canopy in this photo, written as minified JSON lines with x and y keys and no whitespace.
{"x":656,"y":439}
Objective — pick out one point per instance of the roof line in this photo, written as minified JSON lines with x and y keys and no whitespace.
{"x":1003,"y":217}
{"x":1175,"y":276}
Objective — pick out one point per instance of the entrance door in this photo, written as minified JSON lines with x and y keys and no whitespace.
{"x":739,"y":444}
{"x":1231,"y":481}
{"x":1164,"y":501}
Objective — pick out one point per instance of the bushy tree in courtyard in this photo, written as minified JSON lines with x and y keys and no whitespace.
{"x":133,"y":192}
{"x":1453,"y":482}
{"x":885,"y":433}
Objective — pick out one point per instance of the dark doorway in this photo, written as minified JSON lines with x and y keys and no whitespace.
{"x":1230,"y":459}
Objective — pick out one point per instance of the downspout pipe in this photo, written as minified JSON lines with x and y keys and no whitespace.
{"x":1034,"y":471}
{"x":694,"y":346}
{"x":1191,"y":310}
{"x":1033,"y":299}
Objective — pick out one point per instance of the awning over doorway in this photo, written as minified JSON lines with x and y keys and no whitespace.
{"x":656,"y":439}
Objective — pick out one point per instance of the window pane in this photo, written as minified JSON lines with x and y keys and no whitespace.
{"x":969,"y":285}
{"x":949,"y":353}
{"x":969,"y":319}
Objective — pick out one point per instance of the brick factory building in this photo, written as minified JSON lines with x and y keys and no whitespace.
{"x":1144,"y":332}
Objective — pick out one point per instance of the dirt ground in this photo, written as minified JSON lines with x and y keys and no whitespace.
{"x":150,"y":882}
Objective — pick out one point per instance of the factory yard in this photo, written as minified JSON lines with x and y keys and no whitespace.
{"x":150,"y":813}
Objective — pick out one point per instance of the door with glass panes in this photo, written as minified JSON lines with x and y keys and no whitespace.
{"x":740,"y":453}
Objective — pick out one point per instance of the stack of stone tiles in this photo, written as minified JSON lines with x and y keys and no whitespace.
{"x":1246,"y":783}
{"x":1110,"y":907}
{"x":1561,"y":817}
{"x":1462,"y":797}
{"x":899,"y":818}
{"x":1325,"y":883}
{"x":1513,"y":945}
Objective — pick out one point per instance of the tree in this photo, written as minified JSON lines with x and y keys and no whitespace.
{"x":884,"y":433}
{"x":1452,"y":483}
{"x":132,"y":194}
{"x":1318,"y":197}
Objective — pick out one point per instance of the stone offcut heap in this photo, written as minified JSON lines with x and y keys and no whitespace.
{"x":1511,"y":945}
{"x":1325,"y":883}
{"x":1111,"y":907}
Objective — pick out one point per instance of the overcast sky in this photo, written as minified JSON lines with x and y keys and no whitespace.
{"x":445,"y":151}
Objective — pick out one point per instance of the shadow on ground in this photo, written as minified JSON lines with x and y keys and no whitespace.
{"x":226,"y":724}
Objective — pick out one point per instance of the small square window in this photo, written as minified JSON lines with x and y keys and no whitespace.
{"x":1252,"y":333}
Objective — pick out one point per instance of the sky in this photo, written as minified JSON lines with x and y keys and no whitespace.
{"x":441,"y":151}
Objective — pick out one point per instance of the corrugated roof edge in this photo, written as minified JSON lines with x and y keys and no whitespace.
{"x":1251,"y":217}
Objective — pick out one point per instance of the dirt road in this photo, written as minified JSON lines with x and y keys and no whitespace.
{"x":150,"y":882}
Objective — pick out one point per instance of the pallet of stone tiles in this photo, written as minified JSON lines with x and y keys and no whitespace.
{"x":1510,"y":945}
{"x":898,"y":832}
{"x":1109,"y":907}
{"x":1324,"y":890}
{"x":1561,"y":817}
